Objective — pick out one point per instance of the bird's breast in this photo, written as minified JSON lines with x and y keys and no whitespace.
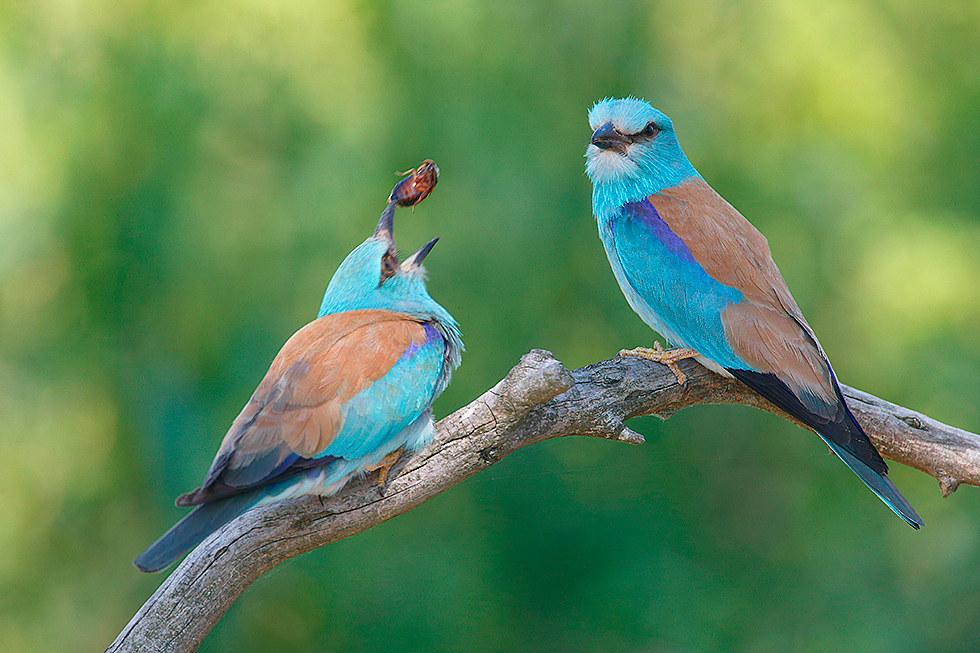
{"x":664,"y":283}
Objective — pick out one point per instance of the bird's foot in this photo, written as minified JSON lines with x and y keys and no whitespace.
{"x":385,"y":466}
{"x":667,"y":357}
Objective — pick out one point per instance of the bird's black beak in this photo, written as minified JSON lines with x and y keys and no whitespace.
{"x":386,"y":225}
{"x":415,"y":260}
{"x":607,"y":138}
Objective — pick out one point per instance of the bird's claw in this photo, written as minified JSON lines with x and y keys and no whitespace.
{"x":384,"y":468}
{"x":667,"y":357}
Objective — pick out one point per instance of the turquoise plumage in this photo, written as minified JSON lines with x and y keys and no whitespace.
{"x":696,"y":271}
{"x":344,"y":395}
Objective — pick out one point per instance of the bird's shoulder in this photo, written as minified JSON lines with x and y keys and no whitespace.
{"x":336,"y":356}
{"x":337,"y":349}
{"x":726,"y":245}
{"x":323,"y":366}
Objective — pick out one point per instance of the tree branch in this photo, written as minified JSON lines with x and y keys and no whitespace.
{"x":538,"y":400}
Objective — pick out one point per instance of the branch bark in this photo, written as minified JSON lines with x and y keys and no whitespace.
{"x":538,"y":400}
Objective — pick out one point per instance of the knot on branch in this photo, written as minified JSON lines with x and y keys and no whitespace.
{"x":947,"y":484}
{"x":613,"y":428}
{"x":536,"y":379}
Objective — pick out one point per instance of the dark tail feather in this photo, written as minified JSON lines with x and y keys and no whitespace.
{"x":191,"y":531}
{"x":879,"y":484}
{"x":843,"y":435}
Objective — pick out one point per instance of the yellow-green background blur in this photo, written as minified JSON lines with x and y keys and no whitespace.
{"x":178,"y":181}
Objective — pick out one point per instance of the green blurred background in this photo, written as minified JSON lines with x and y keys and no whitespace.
{"x":178,"y":181}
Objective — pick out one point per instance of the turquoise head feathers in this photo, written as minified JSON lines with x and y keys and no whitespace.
{"x":372,"y":277}
{"x":633,"y":154}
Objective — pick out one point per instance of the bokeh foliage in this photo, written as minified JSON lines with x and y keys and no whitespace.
{"x":178,"y":180}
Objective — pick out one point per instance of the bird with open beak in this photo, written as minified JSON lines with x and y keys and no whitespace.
{"x":345,"y":395}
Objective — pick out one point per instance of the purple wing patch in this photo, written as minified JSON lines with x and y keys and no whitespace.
{"x":645,"y":213}
{"x":432,"y":337}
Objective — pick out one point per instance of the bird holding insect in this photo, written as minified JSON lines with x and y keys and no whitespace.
{"x":345,"y":395}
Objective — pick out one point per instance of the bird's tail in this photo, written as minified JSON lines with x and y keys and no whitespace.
{"x":192,"y":529}
{"x":879,"y":484}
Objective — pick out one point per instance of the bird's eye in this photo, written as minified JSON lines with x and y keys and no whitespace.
{"x":388,"y":267}
{"x":650,"y":130}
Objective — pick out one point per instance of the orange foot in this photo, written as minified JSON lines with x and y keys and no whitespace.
{"x":385,"y":467}
{"x":668,"y":358}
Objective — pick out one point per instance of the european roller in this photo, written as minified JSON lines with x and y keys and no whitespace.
{"x":697,"y":272}
{"x":344,"y":396}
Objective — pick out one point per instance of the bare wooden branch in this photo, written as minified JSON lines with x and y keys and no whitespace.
{"x":538,"y":400}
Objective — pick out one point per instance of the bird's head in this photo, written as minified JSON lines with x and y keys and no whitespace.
{"x":634,"y":151}
{"x":373,"y":277}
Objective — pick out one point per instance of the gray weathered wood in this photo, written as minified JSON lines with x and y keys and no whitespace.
{"x":538,"y":400}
